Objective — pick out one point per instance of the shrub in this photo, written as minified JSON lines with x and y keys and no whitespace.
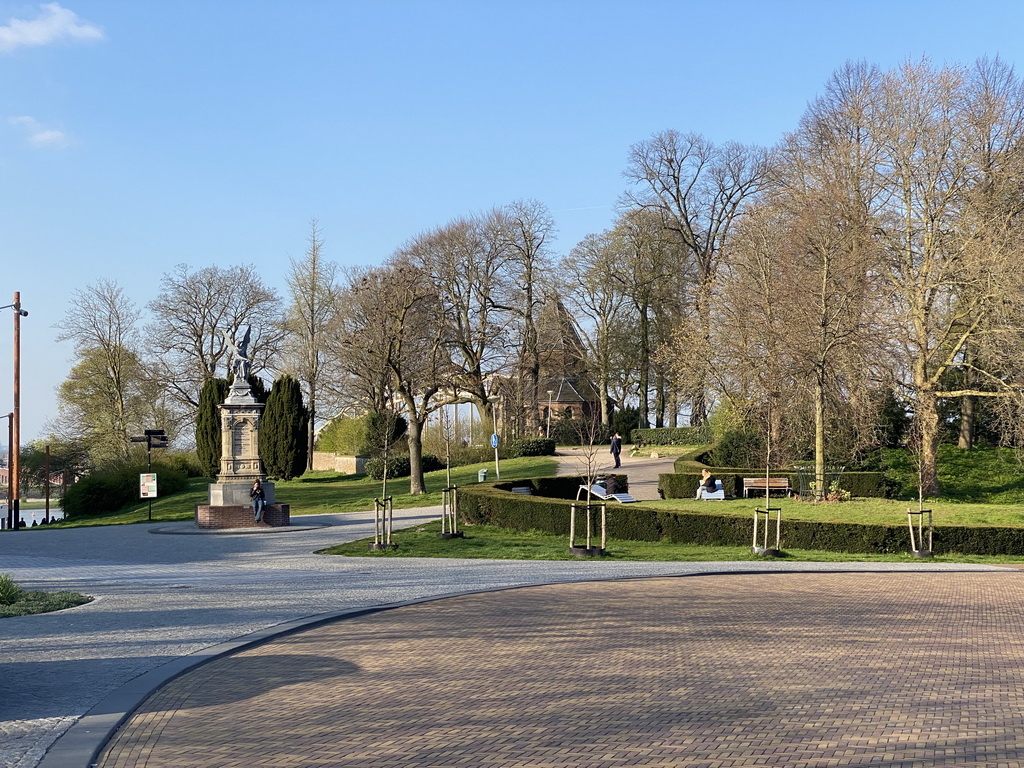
{"x":186,"y":462}
{"x":671,"y":436}
{"x":10,"y":592}
{"x":343,"y":435}
{"x":108,"y":491}
{"x":532,"y":446}
{"x":398,"y":466}
{"x":737,"y":448}
{"x":624,"y":421}
{"x":579,"y":432}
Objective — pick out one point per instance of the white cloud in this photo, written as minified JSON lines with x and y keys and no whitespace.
{"x":38,"y":135}
{"x":53,"y":24}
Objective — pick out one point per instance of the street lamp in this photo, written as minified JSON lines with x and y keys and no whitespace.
{"x":14,"y":463}
{"x":551,"y":393}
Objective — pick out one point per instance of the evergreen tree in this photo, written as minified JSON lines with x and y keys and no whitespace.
{"x":283,"y":446}
{"x":257,"y":388}
{"x":208,"y":442}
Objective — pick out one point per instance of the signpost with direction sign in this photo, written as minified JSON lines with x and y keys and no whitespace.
{"x":153,"y":438}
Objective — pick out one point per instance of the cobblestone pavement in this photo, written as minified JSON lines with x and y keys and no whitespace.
{"x":842,"y":669}
{"x":164,"y":592}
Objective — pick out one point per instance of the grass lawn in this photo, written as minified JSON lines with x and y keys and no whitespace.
{"x":320,"y":492}
{"x":862,"y":511}
{"x":483,"y":541}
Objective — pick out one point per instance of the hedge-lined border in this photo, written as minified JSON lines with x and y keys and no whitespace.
{"x":495,"y":504}
{"x":682,"y":484}
{"x":670,"y":436}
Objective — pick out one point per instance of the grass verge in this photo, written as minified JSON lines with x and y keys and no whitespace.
{"x":488,"y":542}
{"x":15,"y":601}
{"x":319,"y":493}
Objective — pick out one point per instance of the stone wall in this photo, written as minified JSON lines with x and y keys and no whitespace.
{"x":335,"y":462}
{"x":238,"y":516}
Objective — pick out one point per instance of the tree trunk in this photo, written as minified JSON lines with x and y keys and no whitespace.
{"x":644,"y":370}
{"x":966,"y":441}
{"x":602,"y":391}
{"x":415,"y":440}
{"x":928,"y":451}
{"x":311,"y":432}
{"x":819,"y":438}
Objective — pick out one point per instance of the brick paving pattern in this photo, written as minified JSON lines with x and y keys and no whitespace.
{"x":795,"y":669}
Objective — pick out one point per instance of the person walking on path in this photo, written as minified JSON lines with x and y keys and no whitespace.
{"x":617,"y":448}
{"x":259,"y":500}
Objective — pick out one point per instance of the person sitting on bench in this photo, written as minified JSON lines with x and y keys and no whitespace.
{"x":708,"y":484}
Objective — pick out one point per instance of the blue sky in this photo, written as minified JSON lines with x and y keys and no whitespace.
{"x":139,"y":135}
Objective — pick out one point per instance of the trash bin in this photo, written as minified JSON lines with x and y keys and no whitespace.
{"x":481,"y":476}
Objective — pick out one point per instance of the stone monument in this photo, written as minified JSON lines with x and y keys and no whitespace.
{"x":229,"y":503}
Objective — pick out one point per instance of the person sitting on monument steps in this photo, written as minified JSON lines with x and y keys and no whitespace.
{"x":708,"y":484}
{"x":259,"y":501}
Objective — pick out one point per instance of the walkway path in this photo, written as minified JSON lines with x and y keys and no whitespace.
{"x":642,"y":471}
{"x":164,"y":592}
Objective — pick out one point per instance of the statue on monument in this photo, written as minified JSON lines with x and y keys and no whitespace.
{"x":240,"y":353}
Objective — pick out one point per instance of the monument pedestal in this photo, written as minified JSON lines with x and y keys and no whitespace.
{"x":210,"y":516}
{"x":230,"y":505}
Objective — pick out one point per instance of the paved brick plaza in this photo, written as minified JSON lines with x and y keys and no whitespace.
{"x":892,"y":669}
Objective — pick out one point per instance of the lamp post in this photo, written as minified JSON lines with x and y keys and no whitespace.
{"x":13,"y":462}
{"x":551,"y":394}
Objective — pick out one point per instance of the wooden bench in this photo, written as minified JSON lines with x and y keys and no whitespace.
{"x":763,"y":483}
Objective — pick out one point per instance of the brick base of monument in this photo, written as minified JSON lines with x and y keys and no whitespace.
{"x":213,"y":516}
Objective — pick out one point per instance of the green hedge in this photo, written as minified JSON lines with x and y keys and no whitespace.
{"x":683,"y":483}
{"x":671,"y":436}
{"x":108,"y":491}
{"x":494,"y":504}
{"x":534,"y":446}
{"x":398,"y":466}
{"x":564,"y":487}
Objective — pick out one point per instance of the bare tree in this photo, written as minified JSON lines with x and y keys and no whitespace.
{"x":526,"y":229}
{"x":590,"y":289}
{"x":313,"y":290}
{"x":466,"y":261}
{"x":949,"y":137}
{"x":191,"y":312}
{"x":392,"y":323}
{"x":647,"y":274}
{"x":698,"y":190}
{"x":110,"y":394}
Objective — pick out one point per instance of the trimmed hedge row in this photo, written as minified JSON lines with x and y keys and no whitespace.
{"x":532,"y":446}
{"x":398,"y":466}
{"x":671,"y":436}
{"x":494,"y":504}
{"x":683,"y":483}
